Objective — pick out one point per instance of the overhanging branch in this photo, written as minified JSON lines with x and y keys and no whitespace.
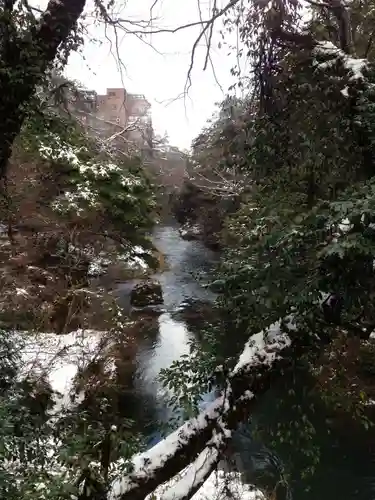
{"x":262,"y":360}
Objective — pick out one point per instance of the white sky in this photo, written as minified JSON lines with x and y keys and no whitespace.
{"x":161,"y":77}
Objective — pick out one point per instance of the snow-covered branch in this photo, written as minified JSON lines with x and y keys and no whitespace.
{"x":353,"y":65}
{"x":170,"y":456}
{"x":194,"y":476}
{"x":200,"y":440}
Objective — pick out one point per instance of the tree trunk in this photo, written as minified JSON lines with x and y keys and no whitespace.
{"x":24,"y":60}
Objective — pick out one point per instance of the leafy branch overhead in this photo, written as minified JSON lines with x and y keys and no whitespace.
{"x":99,"y":191}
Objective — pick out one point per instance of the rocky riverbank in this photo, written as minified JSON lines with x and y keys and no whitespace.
{"x":202,"y":214}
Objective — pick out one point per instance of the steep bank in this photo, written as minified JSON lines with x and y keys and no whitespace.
{"x":202,"y":213}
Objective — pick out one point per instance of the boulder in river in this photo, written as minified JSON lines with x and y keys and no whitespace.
{"x":147,"y":293}
{"x":190,"y":231}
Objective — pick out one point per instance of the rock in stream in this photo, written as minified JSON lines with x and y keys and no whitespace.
{"x":147,"y":293}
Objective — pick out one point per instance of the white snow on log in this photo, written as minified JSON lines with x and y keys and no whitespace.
{"x":212,"y":484}
{"x":145,"y":465}
{"x":226,"y":486}
{"x":191,"y":477}
{"x":220,"y":485}
{"x":263,"y":347}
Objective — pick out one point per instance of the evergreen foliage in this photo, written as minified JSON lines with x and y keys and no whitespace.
{"x":301,"y":245}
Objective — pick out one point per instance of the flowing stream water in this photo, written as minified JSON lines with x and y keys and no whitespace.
{"x":346,"y":469}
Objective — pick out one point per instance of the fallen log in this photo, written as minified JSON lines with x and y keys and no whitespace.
{"x":264,"y":358}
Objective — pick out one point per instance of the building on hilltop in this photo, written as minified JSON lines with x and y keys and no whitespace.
{"x":116,"y":113}
{"x":137,"y":105}
{"x":111,"y":107}
{"x":119,"y":107}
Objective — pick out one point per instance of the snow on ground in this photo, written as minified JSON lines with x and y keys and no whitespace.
{"x":138,"y":262}
{"x":132,"y":258}
{"x":98,"y":265}
{"x":59,"y":357}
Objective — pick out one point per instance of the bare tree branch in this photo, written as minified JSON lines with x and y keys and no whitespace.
{"x":206,"y":26}
{"x":209,"y":40}
{"x":208,"y":54}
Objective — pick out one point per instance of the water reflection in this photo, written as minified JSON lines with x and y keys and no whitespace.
{"x":189,"y":266}
{"x":165,"y":338}
{"x":171,"y":342}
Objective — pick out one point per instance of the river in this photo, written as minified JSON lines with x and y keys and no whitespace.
{"x":164,"y":337}
{"x":346,"y":470}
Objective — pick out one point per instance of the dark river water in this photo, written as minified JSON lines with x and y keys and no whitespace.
{"x":346,"y":467}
